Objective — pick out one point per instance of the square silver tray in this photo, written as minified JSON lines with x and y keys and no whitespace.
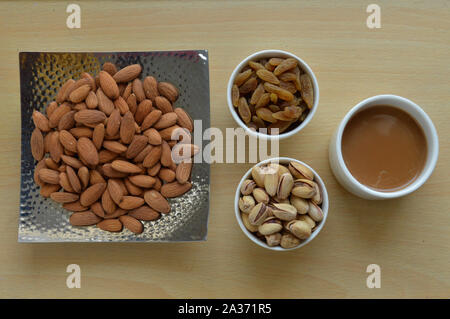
{"x":41,"y":75}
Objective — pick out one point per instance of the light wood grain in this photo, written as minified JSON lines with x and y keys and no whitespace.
{"x":409,"y":238}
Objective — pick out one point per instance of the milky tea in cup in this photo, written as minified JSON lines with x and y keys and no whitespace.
{"x":384,"y":148}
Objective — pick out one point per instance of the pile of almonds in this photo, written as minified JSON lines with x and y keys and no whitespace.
{"x":104,"y":148}
{"x":272,"y":94}
{"x":281,"y":204}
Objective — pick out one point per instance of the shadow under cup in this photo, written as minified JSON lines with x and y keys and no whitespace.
{"x":385,"y":147}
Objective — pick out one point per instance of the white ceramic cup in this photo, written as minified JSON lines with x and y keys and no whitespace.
{"x":341,"y":171}
{"x":256,"y":240}
{"x":265,"y":55}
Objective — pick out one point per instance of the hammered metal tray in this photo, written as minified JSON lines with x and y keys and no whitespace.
{"x":42,"y":73}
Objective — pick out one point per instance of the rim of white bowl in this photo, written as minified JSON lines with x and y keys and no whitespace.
{"x":273,"y":53}
{"x":432,"y":140}
{"x":251,"y":236}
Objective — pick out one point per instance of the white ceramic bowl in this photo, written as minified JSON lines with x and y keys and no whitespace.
{"x":256,"y":240}
{"x":341,"y":171}
{"x":273,"y":54}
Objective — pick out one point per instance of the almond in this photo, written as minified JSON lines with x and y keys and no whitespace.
{"x":95,"y":177}
{"x":143,"y":109}
{"x":55,"y":147}
{"x":40,"y":165}
{"x":136,"y":146}
{"x":110,"y":68}
{"x":121,"y":105}
{"x":87,"y":151}
{"x":37,"y":144}
{"x":163,"y":104}
{"x":140,"y":157}
{"x":48,"y":189}
{"x":90,"y":80}
{"x":128,"y":73}
{"x":74,"y":206}
{"x":154,"y":170}
{"x":49,"y":163}
{"x":155,"y":200}
{"x":152,"y":157}
{"x":79,"y":83}
{"x":151,"y":119}
{"x":114,"y":146}
{"x":153,"y":136}
{"x":126,"y":93}
{"x":90,"y":117}
{"x":107,"y":203}
{"x":97,"y":209}
{"x":108,"y":85}
{"x":151,"y":88}
{"x":71,"y":161}
{"x":81,"y":132}
{"x":112,"y":225}
{"x":63,"y":197}
{"x":68,"y":141}
{"x":91,"y":100}
{"x":132,"y":189}
{"x":79,"y":94}
{"x":79,"y":107}
{"x":40,"y":121}
{"x":84,"y":219}
{"x":62,"y":93}
{"x":83,"y":175}
{"x":168,"y":90}
{"x":166,"y":120}
{"x":50,"y":108}
{"x":104,"y":103}
{"x":138,"y":90}
{"x":184,"y":120}
{"x":127,"y":129}
{"x":131,"y":202}
{"x":58,"y":114}
{"x":175,"y":189}
{"x":132,"y":224}
{"x":48,"y":176}
{"x":110,"y":172}
{"x":125,"y":167}
{"x":132,"y":103}
{"x":106,"y":156}
{"x":65,"y":183}
{"x":167,"y":175}
{"x":98,"y":135}
{"x":143,"y":181}
{"x":171,"y":133}
{"x":144,"y":213}
{"x":92,"y":194}
{"x":113,"y":124}
{"x":73,"y":179}
{"x":115,"y":191}
{"x":183,"y":171}
{"x":67,"y":121}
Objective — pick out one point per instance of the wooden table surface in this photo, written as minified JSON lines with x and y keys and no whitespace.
{"x":408,"y":238}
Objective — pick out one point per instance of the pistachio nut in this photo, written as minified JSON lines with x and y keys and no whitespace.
{"x":287,"y":225}
{"x":258,"y":176}
{"x":246,"y":203}
{"x":258,"y":214}
{"x":315,"y":212}
{"x":289,"y":241}
{"x":284,"y":211}
{"x":285,"y":184}
{"x":247,"y":187}
{"x":246,"y":222}
{"x":304,"y":188}
{"x":273,"y":239}
{"x":300,"y":204}
{"x":308,"y":220}
{"x":271,"y":183}
{"x":260,"y":195}
{"x":317,"y":198}
{"x":281,"y":169}
{"x":300,"y":229}
{"x":300,"y":171}
{"x":271,"y":225}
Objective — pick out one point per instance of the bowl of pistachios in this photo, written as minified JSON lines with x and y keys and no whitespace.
{"x":281,"y":204}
